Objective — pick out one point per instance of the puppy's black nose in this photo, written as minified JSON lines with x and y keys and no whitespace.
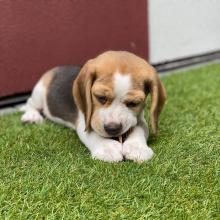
{"x":113,"y":128}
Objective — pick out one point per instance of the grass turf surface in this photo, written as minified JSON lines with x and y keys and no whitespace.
{"x":45,"y":172}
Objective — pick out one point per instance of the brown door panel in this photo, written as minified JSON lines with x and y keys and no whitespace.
{"x":37,"y":35}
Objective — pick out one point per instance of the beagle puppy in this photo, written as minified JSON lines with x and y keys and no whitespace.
{"x":104,"y":102}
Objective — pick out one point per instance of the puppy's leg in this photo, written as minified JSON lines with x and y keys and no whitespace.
{"x":101,"y":148}
{"x":135,"y":147}
{"x":34,"y":105}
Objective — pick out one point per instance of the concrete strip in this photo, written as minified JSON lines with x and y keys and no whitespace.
{"x":8,"y":110}
{"x":184,"y":69}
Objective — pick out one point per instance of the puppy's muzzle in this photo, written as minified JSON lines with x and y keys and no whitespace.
{"x":113,"y":129}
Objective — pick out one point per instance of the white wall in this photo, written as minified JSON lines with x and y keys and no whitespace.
{"x":183,"y":28}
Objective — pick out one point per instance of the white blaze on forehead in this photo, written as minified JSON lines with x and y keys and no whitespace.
{"x":122,"y":84}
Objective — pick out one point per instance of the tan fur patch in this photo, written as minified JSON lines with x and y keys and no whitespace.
{"x":48,"y":76}
{"x":104,"y":89}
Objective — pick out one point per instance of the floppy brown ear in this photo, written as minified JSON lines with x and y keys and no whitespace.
{"x":158,"y":98}
{"x":82,"y":91}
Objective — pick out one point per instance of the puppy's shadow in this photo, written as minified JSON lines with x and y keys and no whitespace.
{"x":152,"y":139}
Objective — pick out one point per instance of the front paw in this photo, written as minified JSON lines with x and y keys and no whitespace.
{"x":109,"y":151}
{"x":137,"y":151}
{"x":32,"y":116}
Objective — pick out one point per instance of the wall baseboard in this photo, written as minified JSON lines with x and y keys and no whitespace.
{"x":14,"y":99}
{"x":185,"y":62}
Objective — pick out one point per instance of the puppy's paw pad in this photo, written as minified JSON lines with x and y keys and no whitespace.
{"x":32,"y":117}
{"x":109,"y":153}
{"x":136,"y":151}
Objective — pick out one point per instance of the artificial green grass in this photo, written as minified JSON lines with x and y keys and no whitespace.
{"x":46,"y":173}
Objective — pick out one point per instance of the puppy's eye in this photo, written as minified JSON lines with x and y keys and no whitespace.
{"x":131,"y":104}
{"x":102,"y":99}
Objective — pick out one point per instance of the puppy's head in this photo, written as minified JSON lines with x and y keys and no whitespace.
{"x":111,"y":91}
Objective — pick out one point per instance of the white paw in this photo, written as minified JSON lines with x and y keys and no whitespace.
{"x":32,"y":116}
{"x":109,"y":151}
{"x":137,"y":151}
